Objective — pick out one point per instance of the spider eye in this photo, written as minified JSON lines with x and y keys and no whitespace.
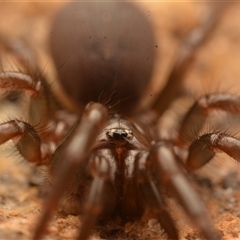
{"x":119,"y":134}
{"x":129,"y":135}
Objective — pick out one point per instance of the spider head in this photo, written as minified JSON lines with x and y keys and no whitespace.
{"x":119,"y":134}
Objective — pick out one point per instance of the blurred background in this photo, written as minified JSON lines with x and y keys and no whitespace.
{"x":216,"y":69}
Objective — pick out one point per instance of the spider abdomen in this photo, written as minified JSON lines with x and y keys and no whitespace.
{"x":104,"y":52}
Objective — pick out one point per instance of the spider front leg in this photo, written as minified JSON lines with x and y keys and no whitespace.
{"x":100,"y":171}
{"x":153,"y":195}
{"x":69,"y":157}
{"x":168,"y":169}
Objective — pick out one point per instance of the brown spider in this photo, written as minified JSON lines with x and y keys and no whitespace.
{"x":109,"y":161}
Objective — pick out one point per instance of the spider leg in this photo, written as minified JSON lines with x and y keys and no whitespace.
{"x":193,"y":41}
{"x":204,"y":148}
{"x":22,"y":135}
{"x":21,"y":132}
{"x":27,"y":141}
{"x":100,"y":172}
{"x":198,"y":113}
{"x":40,"y":103}
{"x":75,"y":151}
{"x":153,"y":196}
{"x":173,"y":176}
{"x":18,"y":81}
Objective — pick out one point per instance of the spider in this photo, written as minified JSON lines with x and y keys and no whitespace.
{"x":106,"y":159}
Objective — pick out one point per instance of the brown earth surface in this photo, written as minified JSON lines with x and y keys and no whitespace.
{"x":216,"y":69}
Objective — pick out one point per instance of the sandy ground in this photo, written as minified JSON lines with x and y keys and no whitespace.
{"x":216,"y":69}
